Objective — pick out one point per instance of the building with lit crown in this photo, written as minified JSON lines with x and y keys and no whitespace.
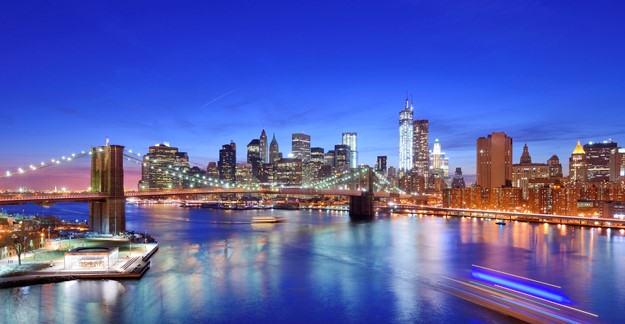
{"x":578,"y":166}
{"x":406,"y":138}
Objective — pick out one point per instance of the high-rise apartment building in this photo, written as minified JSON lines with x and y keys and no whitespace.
{"x":380,"y":165}
{"x":329,"y":158}
{"x":254,"y":155}
{"x":263,"y":148}
{"x":227,"y":163}
{"x":598,"y":159}
{"x":578,"y":166}
{"x":288,"y":172}
{"x":161,"y":167}
{"x":349,"y":138}
{"x":212,"y":171}
{"x":300,"y":146}
{"x":421,"y":148}
{"x":406,"y":138}
{"x":274,"y":150}
{"x":494,"y":160}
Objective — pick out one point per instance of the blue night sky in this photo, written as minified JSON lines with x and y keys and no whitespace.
{"x":200,"y":74}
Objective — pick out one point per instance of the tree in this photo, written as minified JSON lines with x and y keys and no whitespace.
{"x":19,"y":239}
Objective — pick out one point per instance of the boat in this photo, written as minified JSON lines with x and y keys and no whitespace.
{"x":267,"y":219}
{"x":500,"y":223}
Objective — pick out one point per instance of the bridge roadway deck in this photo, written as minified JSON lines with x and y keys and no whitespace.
{"x":12,"y":199}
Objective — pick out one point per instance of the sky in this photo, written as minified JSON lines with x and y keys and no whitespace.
{"x":200,"y":74}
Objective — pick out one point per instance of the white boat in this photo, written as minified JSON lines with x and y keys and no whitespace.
{"x":267,"y":219}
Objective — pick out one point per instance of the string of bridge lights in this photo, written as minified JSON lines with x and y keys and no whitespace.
{"x":38,"y":166}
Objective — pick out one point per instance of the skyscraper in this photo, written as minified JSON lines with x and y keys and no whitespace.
{"x":405,"y":138}
{"x":349,"y":138}
{"x":526,"y":171}
{"x":342,"y":155}
{"x":598,"y":158}
{"x":300,"y":146}
{"x":264,"y":149}
{"x":439,"y":166}
{"x":274,"y":150}
{"x":160,"y":167}
{"x":254,"y":155}
{"x":317,"y":154}
{"x":421,"y":148}
{"x":494,"y":160}
{"x":555,"y":167}
{"x":228,"y":162}
{"x":380,"y":165}
{"x":458,"y":181}
{"x":617,"y":164}
{"x":578,"y":166}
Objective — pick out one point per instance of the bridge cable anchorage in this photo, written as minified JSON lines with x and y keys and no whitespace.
{"x":53,"y":162}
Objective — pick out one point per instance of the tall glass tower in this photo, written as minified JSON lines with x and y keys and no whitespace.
{"x":405,"y":137}
{"x":349,"y":138}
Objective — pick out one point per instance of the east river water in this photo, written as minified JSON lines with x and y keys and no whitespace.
{"x":319,"y":266}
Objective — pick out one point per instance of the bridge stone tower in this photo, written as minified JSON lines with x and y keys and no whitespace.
{"x":107,"y":177}
{"x":361,"y":207}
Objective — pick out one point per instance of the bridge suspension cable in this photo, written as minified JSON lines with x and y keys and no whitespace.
{"x":42,"y":165}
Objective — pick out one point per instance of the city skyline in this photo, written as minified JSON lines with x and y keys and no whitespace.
{"x":548,"y":75}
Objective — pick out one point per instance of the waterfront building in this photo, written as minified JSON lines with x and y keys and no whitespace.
{"x":349,"y":139}
{"x":380,"y":165}
{"x":526,"y":171}
{"x":578,"y":166}
{"x":342,"y":157}
{"x":254,"y":156}
{"x":310,"y":172}
{"x":227,"y":163}
{"x":421,"y":148}
{"x":288,"y":172}
{"x":317,"y":154}
{"x":598,"y":160}
{"x":300,"y":146}
{"x":555,"y":167}
{"x":263,"y":148}
{"x":265,"y":173}
{"x":161,"y":167}
{"x":406,"y":138}
{"x":494,"y":160}
{"x":274,"y":150}
{"x":458,"y":181}
{"x":617,"y":165}
{"x":244,"y":174}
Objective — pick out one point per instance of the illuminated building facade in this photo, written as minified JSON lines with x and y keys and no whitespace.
{"x":227,"y":163}
{"x":555,"y":167}
{"x":263,"y":148}
{"x":244,"y":174}
{"x":406,"y":138}
{"x":349,"y":139}
{"x":288,"y":172}
{"x":598,"y":160}
{"x":439,"y":164}
{"x":254,"y":156}
{"x":300,"y":146}
{"x":526,"y":171}
{"x":421,"y":148}
{"x":494,"y":160}
{"x":162,"y":166}
{"x":317,"y":154}
{"x":342,"y":157}
{"x":578,"y":166}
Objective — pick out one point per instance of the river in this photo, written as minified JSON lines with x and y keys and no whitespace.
{"x":319,"y":266}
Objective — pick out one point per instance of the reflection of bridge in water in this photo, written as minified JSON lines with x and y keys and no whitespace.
{"x":107,"y":196}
